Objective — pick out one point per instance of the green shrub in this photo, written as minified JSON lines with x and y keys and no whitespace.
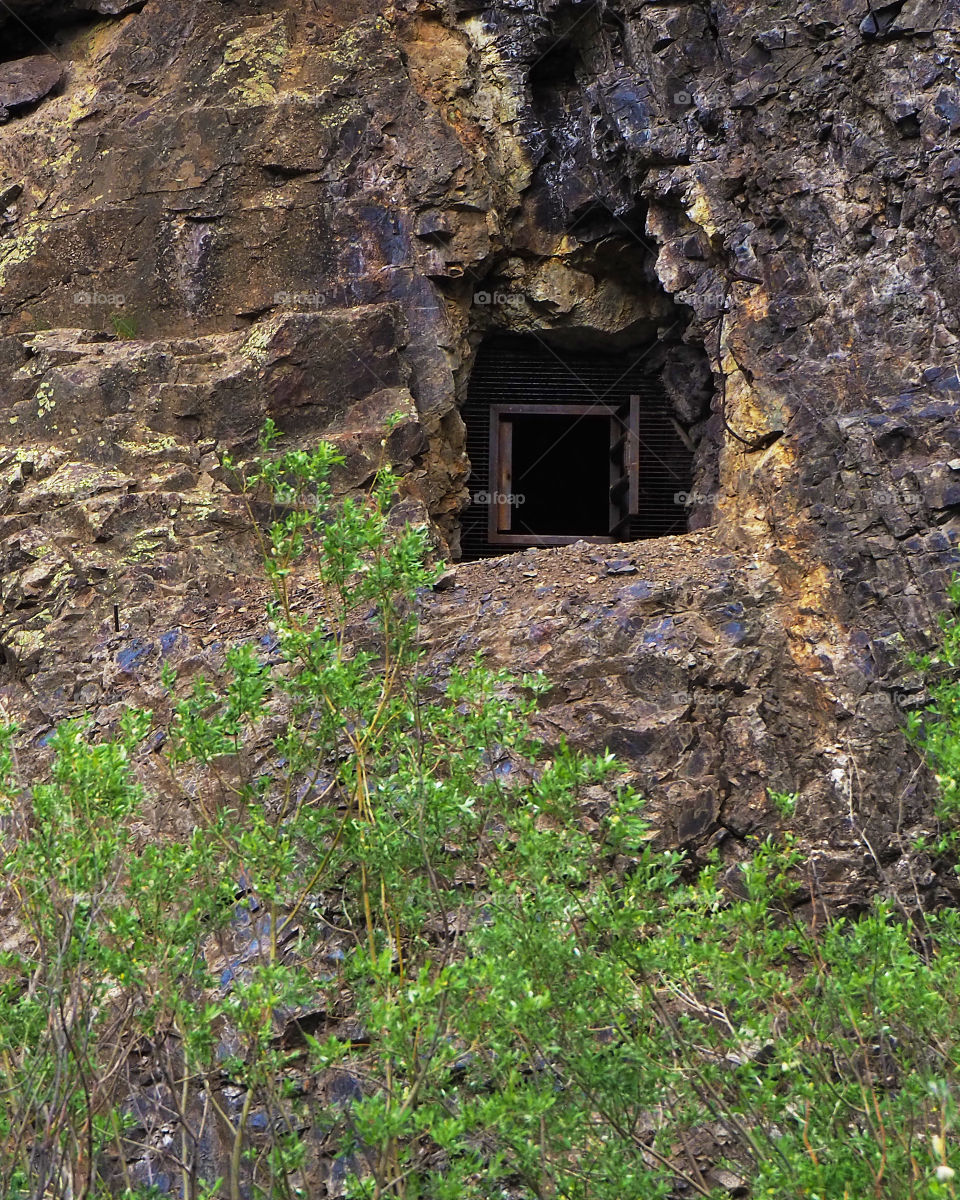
{"x":937,"y":731}
{"x":521,"y":995}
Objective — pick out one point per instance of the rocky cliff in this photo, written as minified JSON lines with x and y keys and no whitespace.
{"x":315,"y":210}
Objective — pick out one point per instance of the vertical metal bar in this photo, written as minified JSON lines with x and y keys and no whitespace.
{"x":493,"y":470}
{"x":616,"y":515}
{"x":631,"y":452}
{"x":504,"y":475}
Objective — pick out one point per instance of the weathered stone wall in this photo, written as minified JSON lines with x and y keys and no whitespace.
{"x":315,"y":210}
{"x":212,"y":211}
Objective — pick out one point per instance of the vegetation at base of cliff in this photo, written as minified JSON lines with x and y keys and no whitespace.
{"x":937,"y":731}
{"x":396,"y":946}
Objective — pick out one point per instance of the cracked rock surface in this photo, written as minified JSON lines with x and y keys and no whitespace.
{"x":305,"y":209}
{"x":234,"y":211}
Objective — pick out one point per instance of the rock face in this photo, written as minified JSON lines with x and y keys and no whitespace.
{"x":316,"y":210}
{"x":27,"y":80}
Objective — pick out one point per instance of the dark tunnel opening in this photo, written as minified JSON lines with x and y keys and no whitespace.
{"x":559,"y":475}
{"x":568,"y":444}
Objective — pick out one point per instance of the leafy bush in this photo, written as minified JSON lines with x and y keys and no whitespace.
{"x":400,"y":936}
{"x":937,"y":731}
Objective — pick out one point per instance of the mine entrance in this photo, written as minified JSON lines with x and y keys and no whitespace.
{"x":565,"y":446}
{"x":554,"y":468}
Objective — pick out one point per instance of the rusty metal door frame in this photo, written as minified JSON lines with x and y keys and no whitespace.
{"x":624,"y":469}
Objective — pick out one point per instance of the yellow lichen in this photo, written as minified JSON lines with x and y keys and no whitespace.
{"x":699,"y":213}
{"x":257,"y":56}
{"x":44,"y":399}
{"x":255,"y":347}
{"x":20,"y":250}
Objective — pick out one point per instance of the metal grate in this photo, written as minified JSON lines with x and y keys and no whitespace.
{"x":517,"y":369}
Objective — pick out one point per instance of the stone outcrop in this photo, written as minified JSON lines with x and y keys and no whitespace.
{"x":315,"y":210}
{"x":25,"y":81}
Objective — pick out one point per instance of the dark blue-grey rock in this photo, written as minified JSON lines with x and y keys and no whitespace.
{"x":26,"y":80}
